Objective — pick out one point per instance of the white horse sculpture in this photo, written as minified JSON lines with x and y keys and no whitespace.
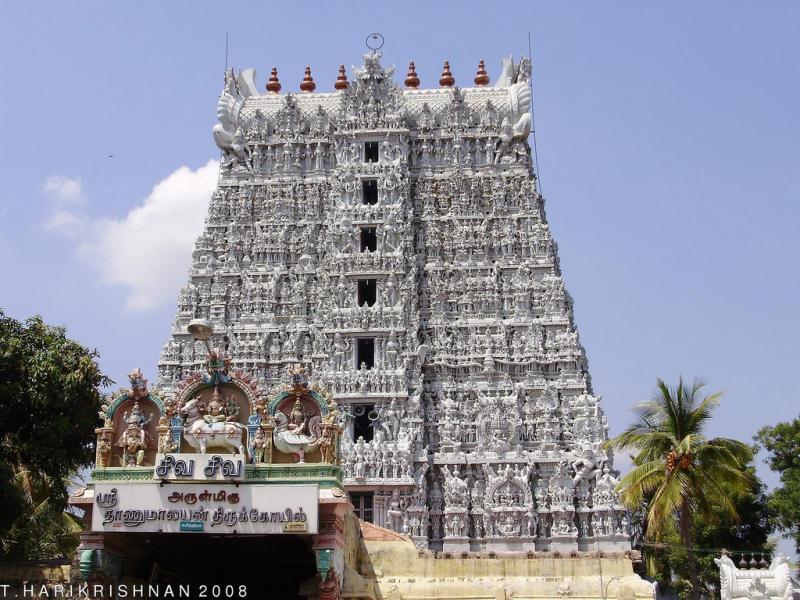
{"x":201,"y":435}
{"x":774,"y":583}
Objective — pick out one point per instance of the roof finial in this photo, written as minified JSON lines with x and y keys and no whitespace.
{"x":447,"y":79}
{"x":481,"y":77}
{"x":374,"y":41}
{"x":308,"y":85}
{"x":412,"y":81}
{"x":273,"y":85}
{"x":341,"y":80}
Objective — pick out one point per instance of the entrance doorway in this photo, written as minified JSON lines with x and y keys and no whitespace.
{"x":268,"y":566}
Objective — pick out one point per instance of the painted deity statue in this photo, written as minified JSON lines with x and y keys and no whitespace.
{"x":134,"y":440}
{"x":136,"y":417}
{"x":298,"y":433}
{"x":220,"y":409}
{"x":216,"y":410}
{"x":262,"y":447}
{"x":213,"y":424}
{"x":138,"y":384}
{"x":103,"y":450}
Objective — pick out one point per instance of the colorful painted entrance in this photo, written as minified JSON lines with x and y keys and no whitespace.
{"x":219,"y":484}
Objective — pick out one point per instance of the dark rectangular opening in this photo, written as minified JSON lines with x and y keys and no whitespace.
{"x":365,"y":353}
{"x":367,"y":292}
{"x":362,"y":505}
{"x":369,"y":239}
{"x":369,"y":191}
{"x":362,"y":424}
{"x":371,"y":151}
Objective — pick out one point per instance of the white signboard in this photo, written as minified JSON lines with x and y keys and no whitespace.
{"x":199,"y":467}
{"x":193,"y":507}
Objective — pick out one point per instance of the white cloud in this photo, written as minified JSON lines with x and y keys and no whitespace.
{"x":64,"y":190}
{"x":149,"y":250}
{"x":66,"y":201}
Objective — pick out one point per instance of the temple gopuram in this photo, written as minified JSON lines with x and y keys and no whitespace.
{"x":373,"y":386}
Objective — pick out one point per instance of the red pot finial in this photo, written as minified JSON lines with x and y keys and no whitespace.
{"x":273,"y":85}
{"x":412,"y":81}
{"x":447,"y":79}
{"x":308,"y":85}
{"x":481,"y":77}
{"x":341,"y":80}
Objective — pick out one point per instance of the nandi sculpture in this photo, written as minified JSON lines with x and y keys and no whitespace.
{"x":215,"y":429}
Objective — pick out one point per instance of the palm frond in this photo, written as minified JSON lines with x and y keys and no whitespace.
{"x":640,"y":482}
{"x":666,"y":502}
{"x":698,"y":416}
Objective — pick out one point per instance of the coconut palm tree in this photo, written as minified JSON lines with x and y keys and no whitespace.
{"x":677,"y":468}
{"x":44,"y":530}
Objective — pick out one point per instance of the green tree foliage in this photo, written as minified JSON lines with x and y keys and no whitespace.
{"x":49,"y":400}
{"x":668,"y":562}
{"x":678,"y":472}
{"x":782,"y":442}
{"x":43,"y":529}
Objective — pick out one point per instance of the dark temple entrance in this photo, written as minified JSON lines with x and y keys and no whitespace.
{"x":268,"y":566}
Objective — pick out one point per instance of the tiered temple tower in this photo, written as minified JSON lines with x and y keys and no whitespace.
{"x":393,"y":242}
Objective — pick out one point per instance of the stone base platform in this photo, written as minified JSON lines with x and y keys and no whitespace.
{"x":455,"y":545}
{"x":402,"y":572}
{"x":520,"y":545}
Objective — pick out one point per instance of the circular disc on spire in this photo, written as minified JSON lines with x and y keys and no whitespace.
{"x":374,"y":41}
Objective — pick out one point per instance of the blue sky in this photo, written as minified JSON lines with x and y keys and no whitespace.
{"x":667,"y":135}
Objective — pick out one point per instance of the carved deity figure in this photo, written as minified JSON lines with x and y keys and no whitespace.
{"x":327,"y":446}
{"x":133,"y":442}
{"x":217,"y":409}
{"x":339,"y":350}
{"x":390,"y":420}
{"x":262,"y":446}
{"x":360,"y":461}
{"x":531,"y":521}
{"x":103,"y":454}
{"x":298,"y":432}
{"x":455,"y":488}
{"x":138,"y":384}
{"x":395,"y":511}
{"x":561,"y":487}
{"x":391,"y":351}
{"x":586,"y":468}
{"x":136,"y":417}
{"x":605,"y":488}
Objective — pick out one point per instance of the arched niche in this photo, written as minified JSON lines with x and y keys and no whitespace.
{"x":312,"y":400}
{"x":234,"y":389}
{"x":506,"y":487}
{"x":314,"y":406}
{"x":120,"y":411}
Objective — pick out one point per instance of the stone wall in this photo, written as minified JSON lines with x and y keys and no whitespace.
{"x":39,"y":574}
